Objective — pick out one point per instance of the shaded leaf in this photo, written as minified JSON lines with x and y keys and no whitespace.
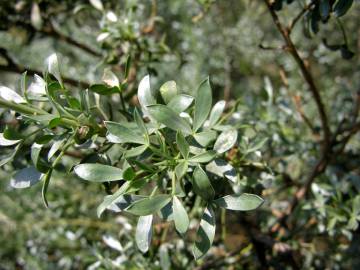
{"x":25,"y":178}
{"x":149,"y":205}
{"x":202,"y":185}
{"x":342,"y":6}
{"x":203,"y":103}
{"x":169,"y":118}
{"x":182,"y":144}
{"x":205,"y":233}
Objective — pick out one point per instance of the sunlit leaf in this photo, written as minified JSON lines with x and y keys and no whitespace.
{"x":98,"y":172}
{"x":145,"y":95}
{"x":216,"y":112}
{"x":221,"y":168}
{"x":6,"y":142}
{"x":124,"y":134}
{"x":53,"y":67}
{"x":226,"y":141}
{"x":180,"y":103}
{"x":204,"y":138}
{"x":144,"y":233}
{"x":10,"y":95}
{"x":181,"y":218}
{"x":243,"y":202}
{"x":168,"y":91}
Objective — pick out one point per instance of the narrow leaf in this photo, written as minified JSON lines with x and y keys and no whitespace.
{"x":216,"y":112}
{"x":53,"y":67}
{"x":243,"y":202}
{"x":123,"y":134}
{"x":204,"y":157}
{"x":169,"y":118}
{"x":182,"y":144}
{"x":149,"y":205}
{"x":10,"y":95}
{"x":181,"y":218}
{"x":98,"y":172}
{"x":203,"y":102}
{"x":202,"y":185}
{"x":144,"y":233}
{"x":205,"y":234}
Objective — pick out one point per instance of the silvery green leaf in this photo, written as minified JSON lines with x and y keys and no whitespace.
{"x":203,"y":103}
{"x":181,"y":169}
{"x":149,"y":205}
{"x":25,"y":178}
{"x":205,"y":233}
{"x":145,"y":95}
{"x":140,"y":123}
{"x":226,"y":141}
{"x":112,"y":243}
{"x":122,"y":134}
{"x":202,"y":185}
{"x":222,"y":168}
{"x":37,"y":87}
{"x":135,"y":151}
{"x":6,"y":142}
{"x":35,"y":16}
{"x":57,"y":144}
{"x":144,"y":233}
{"x":182,"y":144}
{"x":165,"y":261}
{"x":110,"y":79}
{"x":181,"y":218}
{"x":97,"y":4}
{"x":216,"y":112}
{"x":203,"y":157}
{"x":243,"y":202}
{"x":98,"y":172}
{"x":180,"y":103}
{"x":109,"y":200}
{"x":10,"y":95}
{"x":164,"y":115}
{"x":205,"y":137}
{"x":168,"y":91}
{"x":5,"y":159}
{"x":53,"y":67}
{"x":122,"y":202}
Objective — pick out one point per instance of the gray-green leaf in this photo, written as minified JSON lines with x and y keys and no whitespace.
{"x":205,"y":234}
{"x":203,"y":157}
{"x":243,"y":202}
{"x":203,"y":103}
{"x":221,"y":168}
{"x":205,"y":137}
{"x":181,"y":169}
{"x":98,"y":172}
{"x":145,"y":95}
{"x":144,"y":233}
{"x":25,"y":178}
{"x":180,"y":103}
{"x":149,"y":205}
{"x":226,"y":141}
{"x":202,"y":185}
{"x":121,"y":134}
{"x":168,"y":91}
{"x":181,"y":218}
{"x":169,"y":118}
{"x":216,"y":112}
{"x":182,"y":145}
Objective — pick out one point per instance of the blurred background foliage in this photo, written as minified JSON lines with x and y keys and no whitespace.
{"x":239,"y":46}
